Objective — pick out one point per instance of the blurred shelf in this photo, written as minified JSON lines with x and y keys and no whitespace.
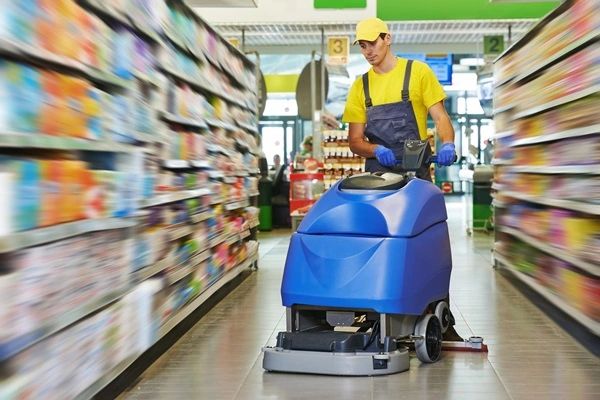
{"x":503,"y":82}
{"x":497,"y":161}
{"x":35,"y":237}
{"x":146,"y":137}
{"x":149,"y":271}
{"x":175,"y":197}
{"x":216,"y":200}
{"x":15,"y":346}
{"x":179,"y":231}
{"x":242,"y":173}
{"x":245,"y":234}
{"x":558,"y":302}
{"x":500,"y":110}
{"x":247,"y":127}
{"x":571,"y":133}
{"x":220,"y":124}
{"x":559,"y":102}
{"x":217,"y":240}
{"x":201,"y":256}
{"x":201,"y":164}
{"x":196,"y":218}
{"x":498,"y":186}
{"x":216,"y":174}
{"x":254,"y":194}
{"x":215,"y":148}
{"x":553,"y":251}
{"x":23,"y":50}
{"x":107,"y":378}
{"x":559,"y":56}
{"x":587,"y":208}
{"x":205,"y":295}
{"x":42,"y":141}
{"x":195,"y":123}
{"x":230,"y":179}
{"x":498,"y":204}
{"x":181,"y":272}
{"x":566,"y":169}
{"x":503,"y":134}
{"x":237,"y":205}
{"x":177,"y":164}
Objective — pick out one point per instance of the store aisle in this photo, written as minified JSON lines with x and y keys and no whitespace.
{"x":530,"y":356}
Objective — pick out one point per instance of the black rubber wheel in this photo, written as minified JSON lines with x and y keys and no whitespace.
{"x":429,"y":348}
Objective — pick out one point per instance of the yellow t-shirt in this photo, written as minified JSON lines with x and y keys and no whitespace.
{"x":424,"y":91}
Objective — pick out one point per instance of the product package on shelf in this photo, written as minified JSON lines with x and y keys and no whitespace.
{"x":339,"y":161}
{"x":547,"y":153}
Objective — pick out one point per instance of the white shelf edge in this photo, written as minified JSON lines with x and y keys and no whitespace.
{"x":43,"y":141}
{"x":217,"y":240}
{"x":35,"y":237}
{"x":504,"y":134}
{"x":559,"y":102}
{"x":236,"y":205}
{"x":149,"y":271}
{"x":557,"y":170}
{"x":593,"y":209}
{"x":197,"y":123}
{"x":254,"y":194}
{"x":175,"y":197}
{"x":593,"y":326}
{"x":501,"y":162}
{"x":571,"y":133}
{"x":103,"y":381}
{"x":504,"y":109}
{"x":183,"y":270}
{"x":203,"y":216}
{"x":569,"y":48}
{"x":180,"y":231}
{"x":554,"y":251}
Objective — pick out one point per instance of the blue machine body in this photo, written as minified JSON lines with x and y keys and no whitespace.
{"x":386,"y":251}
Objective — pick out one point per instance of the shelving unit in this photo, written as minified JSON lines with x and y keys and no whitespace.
{"x":179,"y":177}
{"x":548,"y":162}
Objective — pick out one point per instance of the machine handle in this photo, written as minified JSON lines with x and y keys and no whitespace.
{"x":433,"y":159}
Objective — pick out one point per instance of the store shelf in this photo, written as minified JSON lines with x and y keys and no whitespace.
{"x":26,"y":51}
{"x":242,"y":173}
{"x":554,"y":251}
{"x":254,"y":194}
{"x":498,"y":204}
{"x":593,"y":169}
{"x":504,"y":134}
{"x":41,"y":141}
{"x":14,"y":347}
{"x":589,"y":323}
{"x":196,"y":218}
{"x":216,"y":174}
{"x":176,"y":164}
{"x":237,"y":205}
{"x":146,"y":137}
{"x":217,"y":240}
{"x":215,"y":148}
{"x":205,"y":295}
{"x":498,"y":186}
{"x":175,"y":197}
{"x":571,"y":133}
{"x":245,"y":234}
{"x":36,"y":237}
{"x":501,"y":162}
{"x":559,"y":102}
{"x":101,"y":383}
{"x":216,"y":200}
{"x":148,"y":272}
{"x":504,"y":109}
{"x":247,"y":127}
{"x":503,"y":82}
{"x":221,"y":124}
{"x":587,"y":208}
{"x":201,"y":256}
{"x":179,"y":231}
{"x":558,"y":56}
{"x":201,"y":164}
{"x":230,"y":179}
{"x":180,"y":272}
{"x":194,"y":123}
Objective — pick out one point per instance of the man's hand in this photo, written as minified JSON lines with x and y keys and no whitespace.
{"x":446,"y":154}
{"x":385,"y":156}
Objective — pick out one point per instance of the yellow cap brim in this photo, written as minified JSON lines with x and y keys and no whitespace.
{"x":368,"y":36}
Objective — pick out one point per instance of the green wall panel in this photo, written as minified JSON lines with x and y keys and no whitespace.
{"x":414,"y":10}
{"x":340,"y":3}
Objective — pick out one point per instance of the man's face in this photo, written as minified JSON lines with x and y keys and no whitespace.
{"x":374,"y":52}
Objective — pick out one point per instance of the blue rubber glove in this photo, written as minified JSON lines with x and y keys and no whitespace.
{"x":385,"y":156}
{"x":446,"y":154}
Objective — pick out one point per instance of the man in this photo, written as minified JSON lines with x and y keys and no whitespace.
{"x":389,"y":104}
{"x":276,"y":162}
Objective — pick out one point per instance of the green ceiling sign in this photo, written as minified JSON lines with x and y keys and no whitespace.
{"x":340,"y":3}
{"x":412,"y":10}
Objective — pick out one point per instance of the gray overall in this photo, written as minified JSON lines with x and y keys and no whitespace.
{"x":390,"y":125}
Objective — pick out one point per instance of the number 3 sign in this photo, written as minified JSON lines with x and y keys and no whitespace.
{"x":338,"y":49}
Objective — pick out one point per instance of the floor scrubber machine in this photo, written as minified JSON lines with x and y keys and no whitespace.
{"x":367,"y":276}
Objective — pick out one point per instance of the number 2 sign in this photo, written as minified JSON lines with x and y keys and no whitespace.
{"x":493,"y":45}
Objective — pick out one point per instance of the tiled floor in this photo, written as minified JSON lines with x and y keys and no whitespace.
{"x":529,"y":358}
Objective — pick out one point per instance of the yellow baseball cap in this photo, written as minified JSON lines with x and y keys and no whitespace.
{"x":370,"y":29}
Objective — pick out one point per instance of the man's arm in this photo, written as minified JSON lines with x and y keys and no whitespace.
{"x":442,"y":122}
{"x":358,"y":144}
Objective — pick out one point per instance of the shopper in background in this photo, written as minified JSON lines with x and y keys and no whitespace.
{"x":276,"y":162}
{"x":389,"y":104}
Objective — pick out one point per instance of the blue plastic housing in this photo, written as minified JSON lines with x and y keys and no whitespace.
{"x":387,"y":252}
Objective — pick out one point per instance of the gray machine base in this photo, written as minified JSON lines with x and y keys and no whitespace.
{"x":326,"y":363}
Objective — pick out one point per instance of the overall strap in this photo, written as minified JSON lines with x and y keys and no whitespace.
{"x":365,"y":79}
{"x":405,"y":94}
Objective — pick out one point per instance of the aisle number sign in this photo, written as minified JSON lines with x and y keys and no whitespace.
{"x":338,"y":49}
{"x":493,"y":45}
{"x":235,"y":42}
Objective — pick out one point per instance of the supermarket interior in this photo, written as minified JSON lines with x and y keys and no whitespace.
{"x":277,"y":199}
